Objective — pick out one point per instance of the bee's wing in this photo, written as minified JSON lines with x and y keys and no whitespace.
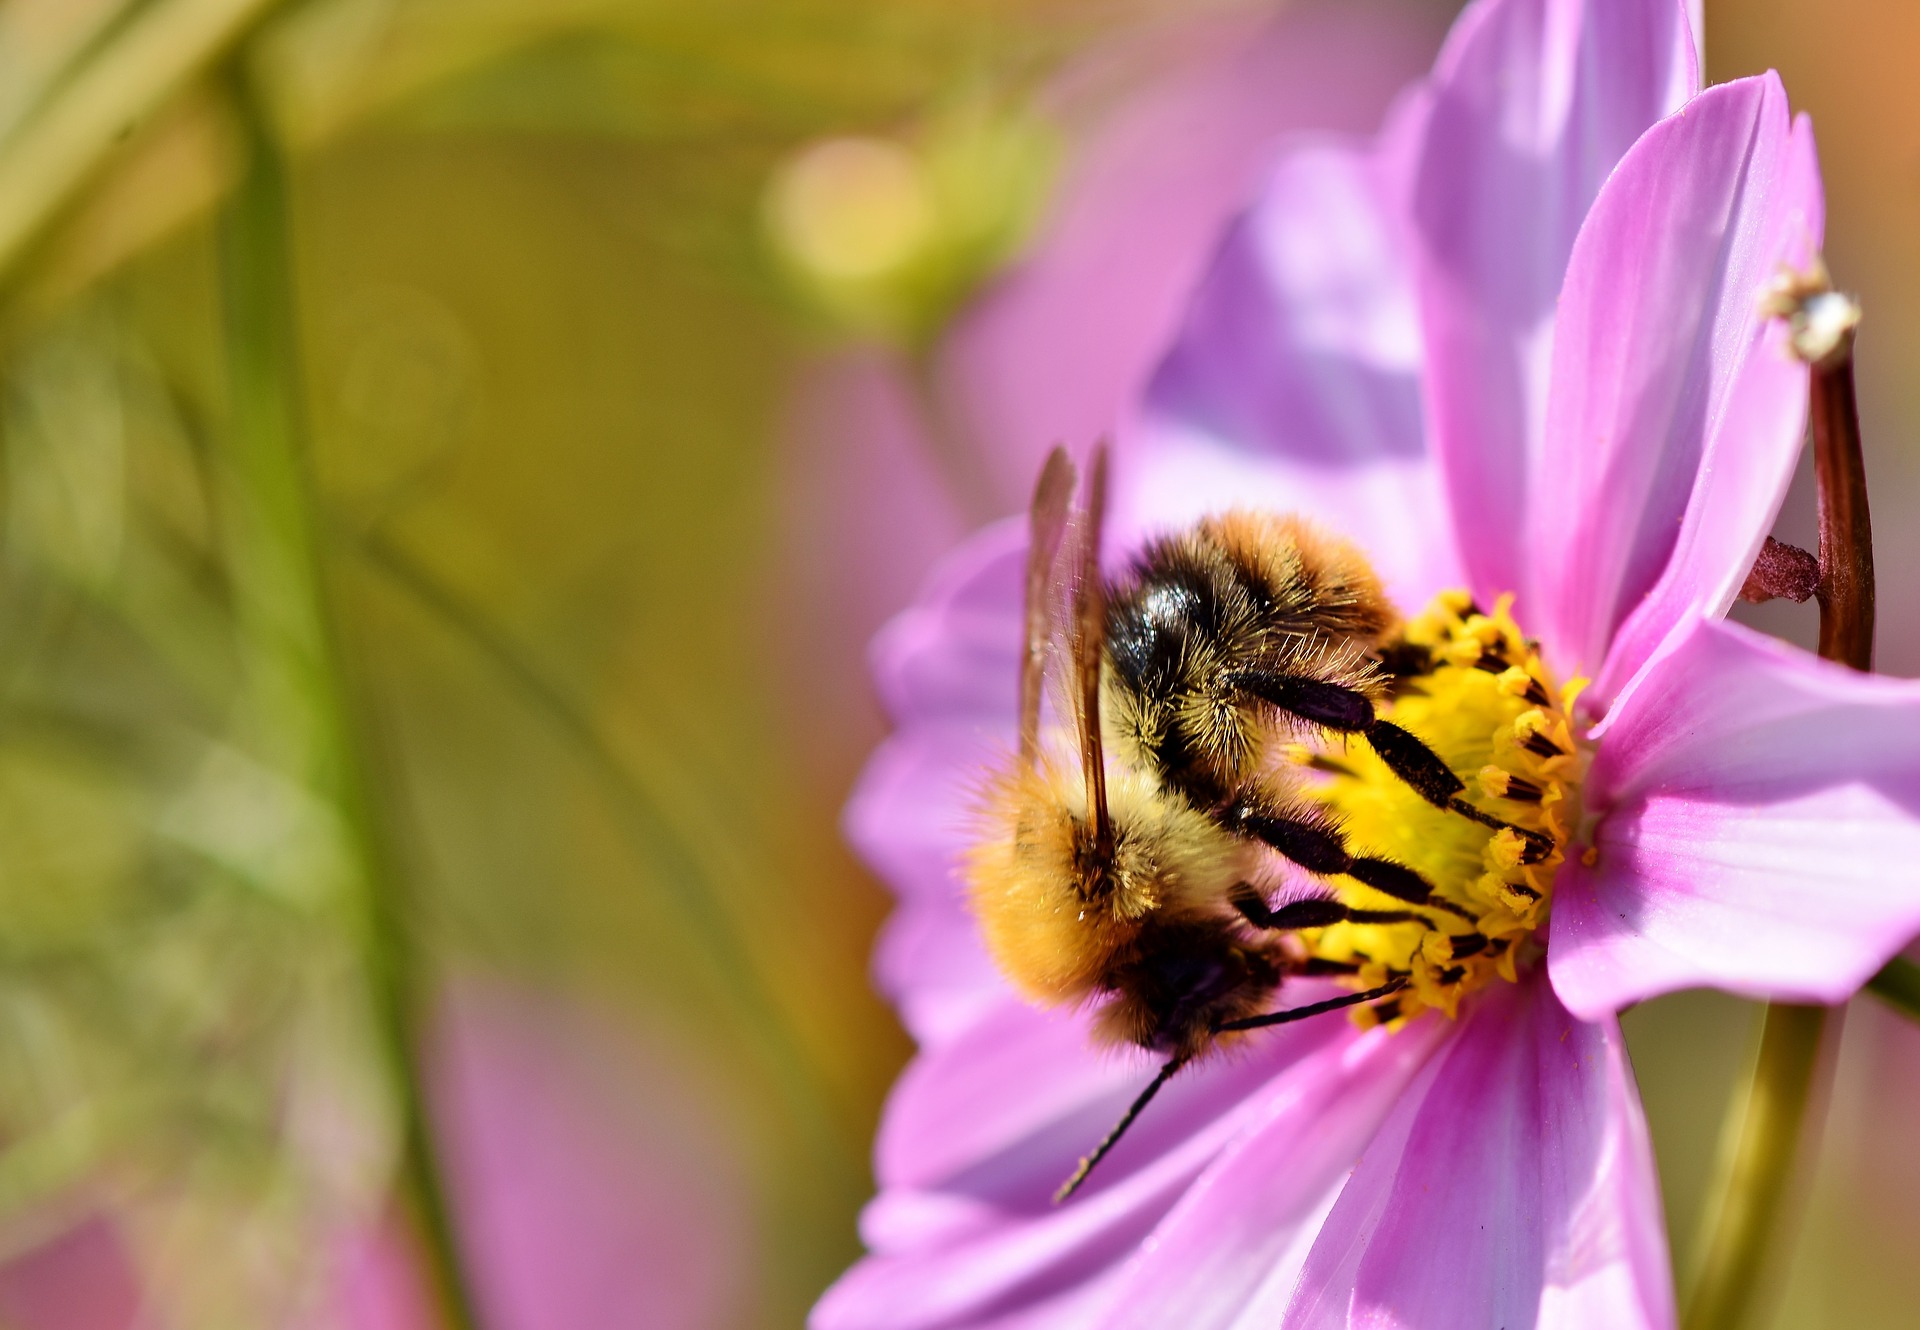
{"x":1066,"y":619}
{"x":1048,"y":521}
{"x":1086,"y":639}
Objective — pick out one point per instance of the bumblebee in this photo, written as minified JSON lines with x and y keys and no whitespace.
{"x":1132,"y":869}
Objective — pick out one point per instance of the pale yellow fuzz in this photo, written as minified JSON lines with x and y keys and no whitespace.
{"x":1026,"y":874}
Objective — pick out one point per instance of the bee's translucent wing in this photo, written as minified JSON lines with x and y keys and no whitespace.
{"x":1086,"y":639}
{"x":1047,"y":526}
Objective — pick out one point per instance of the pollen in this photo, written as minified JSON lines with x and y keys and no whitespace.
{"x":1491,"y":710}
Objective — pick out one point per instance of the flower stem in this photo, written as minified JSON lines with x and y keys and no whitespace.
{"x":684,"y":858}
{"x":1846,"y":532}
{"x":299,"y":679}
{"x":1756,"y":1174}
{"x":1765,"y":1129}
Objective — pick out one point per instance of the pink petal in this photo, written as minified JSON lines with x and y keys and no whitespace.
{"x":1513,"y":1185}
{"x":948,"y":670}
{"x":980,"y":1132}
{"x":863,"y":511}
{"x":1302,"y":341}
{"x":1676,"y":412}
{"x":1230,"y":1252}
{"x":1759,"y":827}
{"x":1391,"y":509}
{"x":954,"y":654}
{"x":1295,"y":382}
{"x":1534,"y":101}
{"x":377,"y":1277}
{"x":1060,"y":349}
{"x":929,"y":961}
{"x":594,"y":1181}
{"x":82,"y":1278}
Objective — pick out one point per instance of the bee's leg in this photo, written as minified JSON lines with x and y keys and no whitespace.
{"x":1346,"y":710}
{"x":1112,"y":1138}
{"x":1319,"y":967}
{"x":1329,"y":705}
{"x":1292,"y":1014}
{"x":1422,"y":770}
{"x":1315,"y":912}
{"x":1319,"y":848}
{"x":1403,"y":662}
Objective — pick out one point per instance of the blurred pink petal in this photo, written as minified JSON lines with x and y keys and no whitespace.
{"x":1298,"y":372}
{"x":1513,"y":1185}
{"x":594,"y":1191}
{"x":377,"y":1282}
{"x":1533,"y":102}
{"x":81,"y":1279}
{"x":1761,"y":830}
{"x":946,"y":671}
{"x":867,"y":512}
{"x":1058,"y":351}
{"x":590,"y":1189}
{"x":1676,"y":412}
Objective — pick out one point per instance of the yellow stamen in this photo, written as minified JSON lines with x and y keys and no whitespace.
{"x":1492,"y":728}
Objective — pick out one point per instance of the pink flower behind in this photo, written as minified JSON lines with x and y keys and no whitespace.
{"x":588,"y":1188}
{"x":1516,"y":345}
{"x":82,"y":1279}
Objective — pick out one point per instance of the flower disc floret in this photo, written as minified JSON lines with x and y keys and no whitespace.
{"x":1490,"y":709}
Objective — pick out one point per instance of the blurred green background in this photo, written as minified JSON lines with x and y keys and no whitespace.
{"x":454,"y":453}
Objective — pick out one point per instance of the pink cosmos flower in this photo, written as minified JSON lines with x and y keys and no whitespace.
{"x":1512,"y":346}
{"x":592,"y":1183}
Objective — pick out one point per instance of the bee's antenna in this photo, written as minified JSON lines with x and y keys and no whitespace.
{"x":1088,"y":637}
{"x":1292,"y":1014}
{"x":1046,"y":524}
{"x":1112,"y":1138}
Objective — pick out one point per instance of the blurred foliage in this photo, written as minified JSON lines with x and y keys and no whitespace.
{"x":891,"y":238}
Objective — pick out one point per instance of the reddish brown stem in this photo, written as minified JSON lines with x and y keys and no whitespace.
{"x":1846,"y":533}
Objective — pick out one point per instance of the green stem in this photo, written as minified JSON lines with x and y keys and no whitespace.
{"x":1765,"y":1129}
{"x":640,"y":794}
{"x":1898,"y":985}
{"x":283,"y":605}
{"x":1757,"y":1171}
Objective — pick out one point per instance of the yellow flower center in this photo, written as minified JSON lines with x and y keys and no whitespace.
{"x":1494,"y":715}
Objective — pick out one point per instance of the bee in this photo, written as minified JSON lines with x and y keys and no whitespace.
{"x":1133,"y":885}
{"x":1131,"y":880}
